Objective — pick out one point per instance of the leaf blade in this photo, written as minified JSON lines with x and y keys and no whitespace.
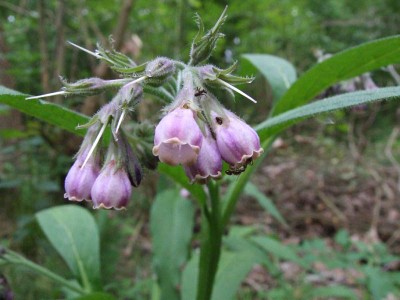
{"x":344,"y":65}
{"x":73,"y":232}
{"x":171,"y":223}
{"x":278,"y":123}
{"x":279,"y":72}
{"x":43,"y":110}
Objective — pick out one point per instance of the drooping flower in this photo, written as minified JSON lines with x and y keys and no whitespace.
{"x":237,"y":142}
{"x":178,"y":138}
{"x":112,"y":188}
{"x":208,"y":163}
{"x":79,"y":181}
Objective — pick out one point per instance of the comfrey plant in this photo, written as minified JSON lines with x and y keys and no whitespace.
{"x":197,"y":132}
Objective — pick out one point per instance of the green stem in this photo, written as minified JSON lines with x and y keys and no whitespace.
{"x":236,"y":188}
{"x":210,"y":244}
{"x":15,"y":258}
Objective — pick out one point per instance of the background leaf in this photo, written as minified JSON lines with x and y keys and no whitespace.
{"x":171,"y":223}
{"x":278,"y":123}
{"x":277,"y":249}
{"x":337,"y":291}
{"x":265,"y":202}
{"x":341,"y":66}
{"x":73,"y":233}
{"x":49,"y":112}
{"x":279,"y":72}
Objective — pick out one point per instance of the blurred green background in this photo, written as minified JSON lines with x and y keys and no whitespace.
{"x":353,"y":153}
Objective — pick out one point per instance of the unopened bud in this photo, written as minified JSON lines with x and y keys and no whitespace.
{"x":158,"y":70}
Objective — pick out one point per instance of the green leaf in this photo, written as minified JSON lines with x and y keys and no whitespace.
{"x":277,"y":249}
{"x":73,"y":233}
{"x":232,"y":269}
{"x":379,"y":283}
{"x":171,"y":223}
{"x":190,"y":277}
{"x":333,"y":291}
{"x":179,"y":176}
{"x":279,"y":72}
{"x":96,"y":296}
{"x":282,"y":121}
{"x":344,"y":65}
{"x":49,"y":112}
{"x":265,"y":202}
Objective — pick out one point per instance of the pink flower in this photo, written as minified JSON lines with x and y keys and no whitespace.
{"x":237,"y":142}
{"x":79,"y":181}
{"x":112,"y":189}
{"x":178,"y":138}
{"x":208,"y":163}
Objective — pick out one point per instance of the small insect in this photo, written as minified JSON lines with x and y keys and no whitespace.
{"x":235,"y":170}
{"x":200,"y":92}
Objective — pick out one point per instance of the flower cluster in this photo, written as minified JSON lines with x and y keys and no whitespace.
{"x":199,"y":133}
{"x":196,"y":130}
{"x":110,"y":185}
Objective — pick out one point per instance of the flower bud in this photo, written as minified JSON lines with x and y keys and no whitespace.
{"x":209,"y":162}
{"x":112,"y":188}
{"x":79,"y":181}
{"x":237,"y":142}
{"x":178,"y":138}
{"x":158,"y":70}
{"x":89,"y":86}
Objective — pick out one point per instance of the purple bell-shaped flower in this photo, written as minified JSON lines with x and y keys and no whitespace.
{"x":112,"y":188}
{"x":178,"y":138}
{"x":79,"y":181}
{"x":237,"y":142}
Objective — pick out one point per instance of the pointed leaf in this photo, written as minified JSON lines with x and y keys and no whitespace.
{"x":344,"y":65}
{"x":282,"y":121}
{"x":265,"y":202}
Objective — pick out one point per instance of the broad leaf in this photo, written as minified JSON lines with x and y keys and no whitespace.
{"x":73,"y":233}
{"x":49,"y":112}
{"x":265,"y":202}
{"x":282,"y":121}
{"x":344,"y":65}
{"x":171,"y":223}
{"x":279,"y":72}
